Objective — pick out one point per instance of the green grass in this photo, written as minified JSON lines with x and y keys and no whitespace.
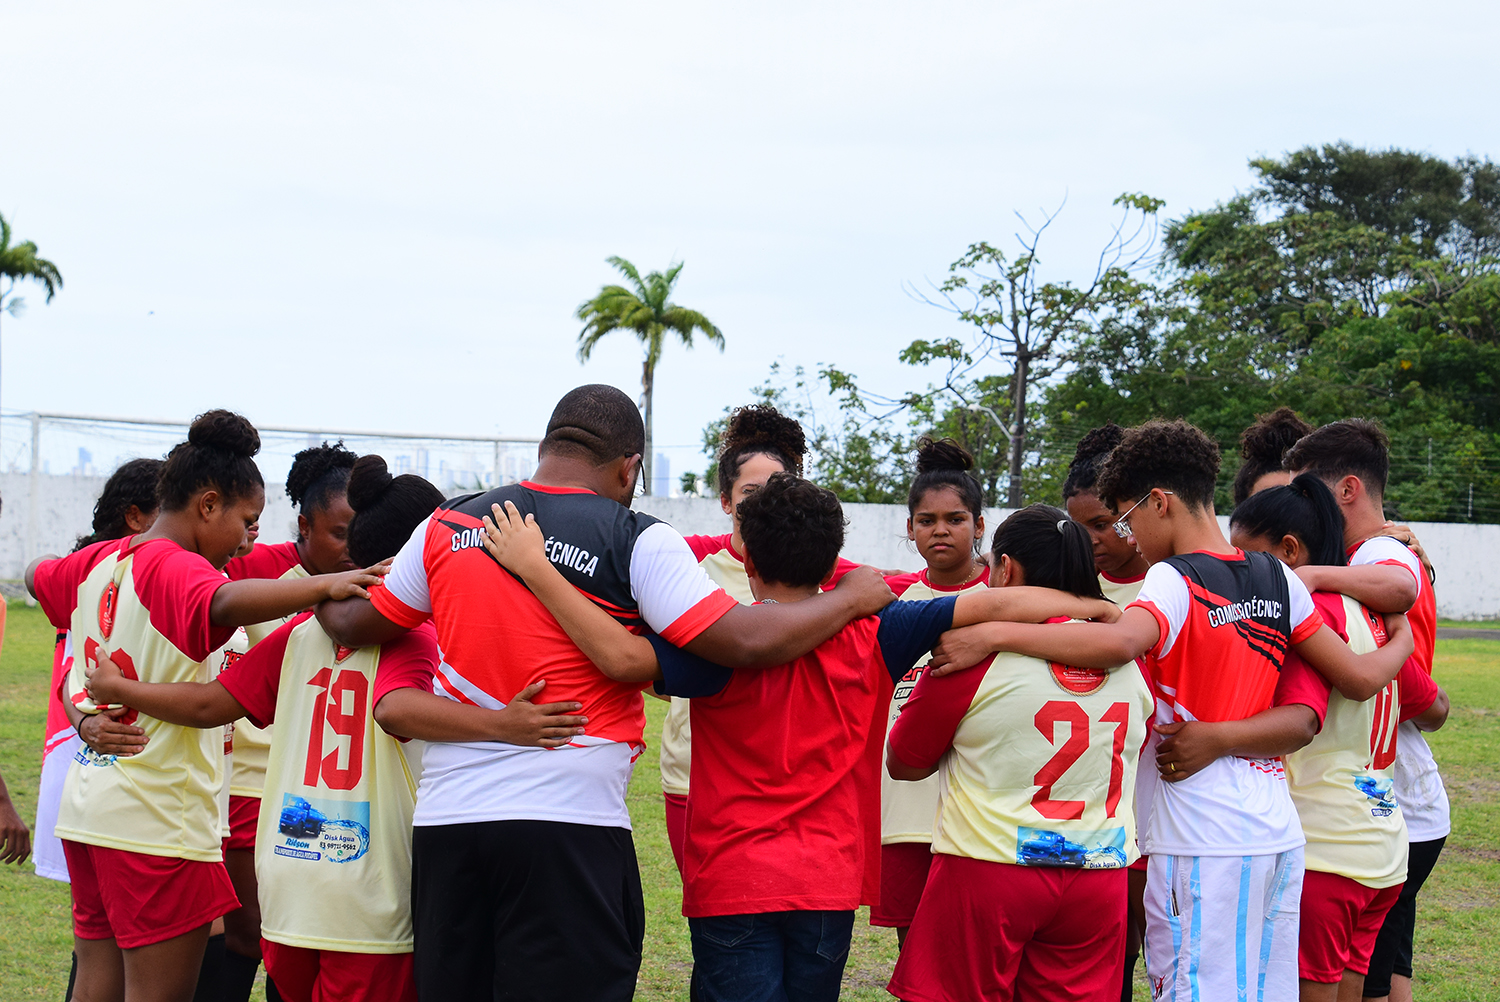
{"x":1459,"y":909}
{"x":1471,"y":624}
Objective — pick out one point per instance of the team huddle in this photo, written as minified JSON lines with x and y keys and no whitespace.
{"x":389,"y":759}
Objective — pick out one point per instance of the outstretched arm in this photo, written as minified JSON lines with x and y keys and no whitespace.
{"x":188,"y":704}
{"x":1359,"y":676}
{"x":1378,"y":587}
{"x":1188,"y":746}
{"x":258,"y":600}
{"x":1086,"y":645}
{"x":1025,"y":604}
{"x":412,"y":713}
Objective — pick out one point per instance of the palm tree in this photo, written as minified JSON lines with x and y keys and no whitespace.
{"x":646,"y":310}
{"x":20,"y":262}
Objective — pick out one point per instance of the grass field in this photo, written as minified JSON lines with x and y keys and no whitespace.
{"x":1457,"y":959}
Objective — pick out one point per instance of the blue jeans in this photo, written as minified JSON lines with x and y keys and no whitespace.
{"x":771,"y":956}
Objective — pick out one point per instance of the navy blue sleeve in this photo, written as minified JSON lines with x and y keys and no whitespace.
{"x":686,"y":674}
{"x":909,"y":630}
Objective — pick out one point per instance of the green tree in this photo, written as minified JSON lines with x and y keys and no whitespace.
{"x":646,"y":310}
{"x":20,"y":261}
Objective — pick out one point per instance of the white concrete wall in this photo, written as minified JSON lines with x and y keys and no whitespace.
{"x":1468,"y":585}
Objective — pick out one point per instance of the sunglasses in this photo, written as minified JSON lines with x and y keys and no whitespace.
{"x":1122,"y":527}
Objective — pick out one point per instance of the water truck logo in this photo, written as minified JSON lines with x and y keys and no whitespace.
{"x":107,"y":603}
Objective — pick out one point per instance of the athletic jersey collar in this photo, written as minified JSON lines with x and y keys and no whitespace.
{"x":1114,"y":580}
{"x":554,"y":489}
{"x":982,"y":580}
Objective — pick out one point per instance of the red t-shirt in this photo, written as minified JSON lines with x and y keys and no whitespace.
{"x":707,"y":546}
{"x":784,"y":813}
{"x":266,"y":561}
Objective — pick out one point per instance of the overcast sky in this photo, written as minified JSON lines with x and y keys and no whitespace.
{"x":382,"y":216}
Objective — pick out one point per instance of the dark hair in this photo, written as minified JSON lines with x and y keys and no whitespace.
{"x":133,"y":484}
{"x":1305,"y":508}
{"x":218,"y":453}
{"x":944,"y":463}
{"x":1093,"y":449}
{"x":386,"y":509}
{"x":317,"y":475}
{"x":1172,"y":455}
{"x":597,"y":423}
{"x":1053,"y":550}
{"x":1356,"y":447}
{"x":1263,"y":444}
{"x":757,"y":430}
{"x":793,"y":530}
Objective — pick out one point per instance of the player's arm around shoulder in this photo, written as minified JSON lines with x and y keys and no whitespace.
{"x":1086,"y":645}
{"x":1028,"y":604}
{"x":1359,"y":676}
{"x":188,"y":704}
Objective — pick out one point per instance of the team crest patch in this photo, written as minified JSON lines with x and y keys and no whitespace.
{"x":107,"y":603}
{"x":1081,"y":681}
{"x":341,"y":653}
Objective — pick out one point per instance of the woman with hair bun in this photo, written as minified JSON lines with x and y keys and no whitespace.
{"x":333,"y":849}
{"x":315,"y":485}
{"x":759,"y":442}
{"x":142,"y":833}
{"x":945,"y":521}
{"x":1035,"y":819}
{"x":1121,"y":567}
{"x":1261,"y":447}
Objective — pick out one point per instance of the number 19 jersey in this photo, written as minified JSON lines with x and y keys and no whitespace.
{"x":333,"y":846}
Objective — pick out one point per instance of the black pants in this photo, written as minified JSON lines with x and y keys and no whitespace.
{"x":1392,"y":954}
{"x":526,"y":910}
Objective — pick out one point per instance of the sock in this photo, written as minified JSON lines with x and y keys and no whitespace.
{"x":1127,"y":989}
{"x":72,"y":979}
{"x":211,"y":974}
{"x":239,"y":976}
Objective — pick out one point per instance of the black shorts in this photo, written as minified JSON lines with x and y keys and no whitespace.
{"x":513,"y":910}
{"x":1393,"y":946}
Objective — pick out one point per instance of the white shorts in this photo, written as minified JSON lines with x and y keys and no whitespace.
{"x":46,"y":848}
{"x":1223,"y":927}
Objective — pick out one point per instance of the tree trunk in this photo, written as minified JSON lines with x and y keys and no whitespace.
{"x":1016,"y":496}
{"x":648,"y":381}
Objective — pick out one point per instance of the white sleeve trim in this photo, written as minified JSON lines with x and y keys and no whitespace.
{"x":407,"y":581}
{"x":1300,"y":604}
{"x":665,"y":578}
{"x":1380,"y":548}
{"x":1166,"y":589}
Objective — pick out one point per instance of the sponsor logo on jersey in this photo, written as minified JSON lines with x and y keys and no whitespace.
{"x":1082,"y":681}
{"x":107,"y":603}
{"x":1251,"y":608}
{"x":230,"y":657}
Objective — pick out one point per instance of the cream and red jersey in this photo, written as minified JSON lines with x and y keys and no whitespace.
{"x":252,"y":745}
{"x":497,"y":638}
{"x":1036,"y":760}
{"x":1419,"y":784}
{"x":909,"y":810}
{"x":1121,"y":591}
{"x":333,"y":847}
{"x":59,"y":729}
{"x":1226,"y":622}
{"x":148,"y":604}
{"x":785,"y":809}
{"x":726,"y":568}
{"x":1342,"y":783}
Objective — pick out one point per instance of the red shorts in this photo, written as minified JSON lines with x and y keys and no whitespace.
{"x":1139,"y":864}
{"x":244,"y":815}
{"x":137,"y":900}
{"x":903,"y":874}
{"x":999,"y":932}
{"x":676,"y":825}
{"x":1340,"y":920}
{"x":304,"y":975}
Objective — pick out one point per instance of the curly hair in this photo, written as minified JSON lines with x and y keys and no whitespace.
{"x":944,"y":463}
{"x":1053,"y":550}
{"x":1305,"y":508}
{"x":1353,"y":447}
{"x":219,"y":453}
{"x":1093,"y":449}
{"x":318,"y":475}
{"x":132,"y":485}
{"x":793,"y":531}
{"x":1172,"y":455}
{"x":759,"y":430}
{"x":1263,"y":444}
{"x":386,"y":509}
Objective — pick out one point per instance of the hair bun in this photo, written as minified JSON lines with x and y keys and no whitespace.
{"x":226,"y":430}
{"x":1098,"y":442}
{"x":368,"y":480}
{"x":761,"y":425}
{"x":942,"y":454}
{"x":1271,"y":435}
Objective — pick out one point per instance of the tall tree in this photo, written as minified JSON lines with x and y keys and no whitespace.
{"x":646,"y":310}
{"x":21,"y":262}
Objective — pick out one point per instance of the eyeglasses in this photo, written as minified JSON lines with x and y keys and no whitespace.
{"x":1122,"y":527}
